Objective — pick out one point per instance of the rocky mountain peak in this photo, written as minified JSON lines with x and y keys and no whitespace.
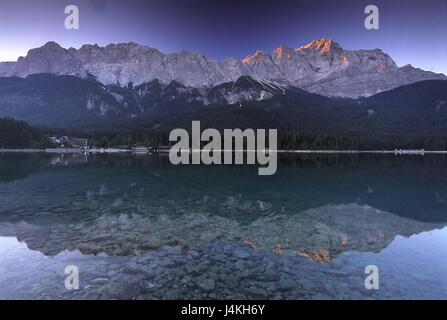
{"x":321,"y":66}
{"x":283,"y":51}
{"x":122,"y":45}
{"x":322,"y":46}
{"x":256,"y":58}
{"x":51,"y":45}
{"x":49,"y":48}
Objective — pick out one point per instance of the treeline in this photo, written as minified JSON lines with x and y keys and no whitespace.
{"x":357,"y":141}
{"x":124,"y":138}
{"x":19,"y":134}
{"x":287,"y":140}
{"x":290,"y":140}
{"x":143,"y":137}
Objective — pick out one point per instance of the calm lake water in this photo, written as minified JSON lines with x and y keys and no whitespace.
{"x":137,"y":227}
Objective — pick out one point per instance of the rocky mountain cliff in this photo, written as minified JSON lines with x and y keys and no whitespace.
{"x":322,"y":66}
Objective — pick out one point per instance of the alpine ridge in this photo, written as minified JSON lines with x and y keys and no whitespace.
{"x":321,"y":66}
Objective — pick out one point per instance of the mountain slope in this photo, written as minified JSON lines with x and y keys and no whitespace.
{"x":418,"y":109}
{"x":47,"y":99}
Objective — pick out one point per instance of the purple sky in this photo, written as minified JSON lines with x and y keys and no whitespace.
{"x":411,"y":31}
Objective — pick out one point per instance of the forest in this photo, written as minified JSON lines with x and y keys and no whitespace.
{"x":287,"y":139}
{"x":19,"y":134}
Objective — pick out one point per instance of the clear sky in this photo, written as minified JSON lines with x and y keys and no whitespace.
{"x":411,"y":31}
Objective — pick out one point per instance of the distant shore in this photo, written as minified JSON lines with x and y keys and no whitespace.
{"x":65,"y":150}
{"x":113,"y":150}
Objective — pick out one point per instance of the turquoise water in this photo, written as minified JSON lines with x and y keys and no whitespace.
{"x":139,"y":228}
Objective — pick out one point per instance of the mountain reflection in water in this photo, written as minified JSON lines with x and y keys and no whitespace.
{"x":138,"y":223}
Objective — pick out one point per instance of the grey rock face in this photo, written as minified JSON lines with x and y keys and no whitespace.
{"x":320,"y":234}
{"x":322,"y":66}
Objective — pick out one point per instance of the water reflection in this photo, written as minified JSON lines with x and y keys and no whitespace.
{"x":408,"y":186}
{"x":223,"y":231}
{"x":319,"y":234}
{"x":410,"y":268}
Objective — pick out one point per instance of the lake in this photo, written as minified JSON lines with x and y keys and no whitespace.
{"x":137,"y":227}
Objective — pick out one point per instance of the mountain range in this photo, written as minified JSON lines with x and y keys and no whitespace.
{"x":321,"y":66}
{"x":318,"y":88}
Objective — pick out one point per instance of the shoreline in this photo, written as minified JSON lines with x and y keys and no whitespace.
{"x":113,"y":150}
{"x":64,"y":150}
